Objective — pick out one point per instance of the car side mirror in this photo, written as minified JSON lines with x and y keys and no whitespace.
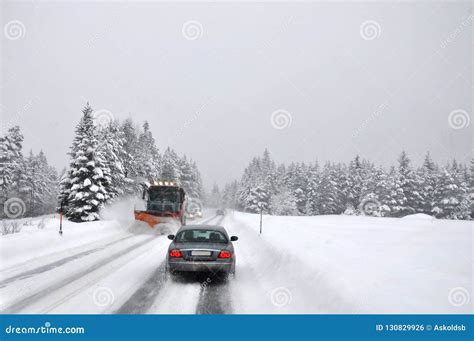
{"x":234,"y":238}
{"x":171,"y":236}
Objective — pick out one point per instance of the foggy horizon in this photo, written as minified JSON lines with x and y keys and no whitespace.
{"x":208,"y":77}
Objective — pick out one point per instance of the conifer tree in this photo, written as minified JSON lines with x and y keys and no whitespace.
{"x":85,"y":190}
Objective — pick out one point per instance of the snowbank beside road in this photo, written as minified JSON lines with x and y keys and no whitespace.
{"x":346,"y":264}
{"x":31,"y":243}
{"x":323,"y":264}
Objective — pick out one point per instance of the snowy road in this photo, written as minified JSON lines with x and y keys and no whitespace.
{"x":326,"y":264}
{"x":211,"y":292}
{"x":97,"y":270}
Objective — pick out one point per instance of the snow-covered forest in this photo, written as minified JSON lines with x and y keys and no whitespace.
{"x":112,"y":159}
{"x":107,"y":160}
{"x":357,"y":188}
{"x":28,"y":182}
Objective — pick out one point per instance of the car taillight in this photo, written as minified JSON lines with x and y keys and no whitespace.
{"x":175,"y":254}
{"x":225,"y":254}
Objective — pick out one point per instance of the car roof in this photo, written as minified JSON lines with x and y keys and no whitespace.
{"x":204,"y":227}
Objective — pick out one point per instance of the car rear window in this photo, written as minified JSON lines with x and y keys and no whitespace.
{"x":201,"y":236}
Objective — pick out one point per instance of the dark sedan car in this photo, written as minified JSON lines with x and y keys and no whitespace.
{"x":201,"y":248}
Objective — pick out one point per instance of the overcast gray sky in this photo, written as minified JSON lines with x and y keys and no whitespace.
{"x":348,"y":77}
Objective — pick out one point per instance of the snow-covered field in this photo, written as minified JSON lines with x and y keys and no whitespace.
{"x":346,"y":264}
{"x":324,"y":264}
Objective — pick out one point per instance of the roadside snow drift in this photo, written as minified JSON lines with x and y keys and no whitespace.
{"x":347,"y":264}
{"x":323,"y":264}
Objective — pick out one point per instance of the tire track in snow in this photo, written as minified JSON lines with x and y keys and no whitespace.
{"x":94,"y":280}
{"x":58,"y":263}
{"x":143,"y":298}
{"x":25,"y":302}
{"x":214,"y":297}
{"x":32,"y":299}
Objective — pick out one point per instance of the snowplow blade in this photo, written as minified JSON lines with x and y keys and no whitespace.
{"x":150,"y":219}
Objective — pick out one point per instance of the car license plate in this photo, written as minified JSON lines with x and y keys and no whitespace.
{"x":200,"y":253}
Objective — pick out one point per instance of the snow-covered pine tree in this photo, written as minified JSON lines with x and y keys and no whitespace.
{"x":188,"y":179}
{"x":407,"y":186}
{"x":197,"y":181}
{"x":454,"y":193}
{"x":428,"y":175}
{"x":470,"y":195}
{"x":284,"y":203}
{"x":111,"y":147}
{"x":397,"y":200}
{"x":299,"y":182}
{"x":353,"y":187}
{"x":280,"y":173}
{"x":130,"y":156}
{"x":88,"y":185}
{"x":382,"y":191}
{"x":329,"y":197}
{"x":229,"y":195}
{"x":312,"y":189}
{"x":446,"y":195}
{"x":247,"y":183}
{"x":340,"y":176}
{"x":43,"y":185}
{"x":11,"y":161}
{"x":49,"y":191}
{"x":20,"y":186}
{"x":463,"y":178}
{"x":148,"y":156}
{"x":170,"y":165}
{"x":64,"y":191}
{"x":257,"y":199}
{"x":375,"y":195}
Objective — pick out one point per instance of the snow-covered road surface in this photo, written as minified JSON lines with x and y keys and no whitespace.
{"x":144,"y":297}
{"x":325,"y":264}
{"x":121,"y":273}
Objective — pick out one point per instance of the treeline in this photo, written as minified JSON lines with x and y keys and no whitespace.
{"x":359,"y":187}
{"x":28,"y":185}
{"x":115,"y":159}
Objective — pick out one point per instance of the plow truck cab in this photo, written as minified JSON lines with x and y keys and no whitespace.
{"x":164,"y":203}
